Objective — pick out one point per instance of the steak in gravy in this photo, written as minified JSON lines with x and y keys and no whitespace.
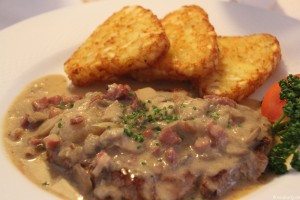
{"x":148,"y":144}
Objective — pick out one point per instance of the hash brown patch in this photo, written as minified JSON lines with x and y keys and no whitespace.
{"x":193,"y":51}
{"x":130,"y":39}
{"x":244,"y":65}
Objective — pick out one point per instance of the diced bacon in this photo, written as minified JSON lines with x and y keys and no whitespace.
{"x":169,"y":137}
{"x":120,"y":91}
{"x":155,"y":151}
{"x":40,"y":104}
{"x":55,"y":100}
{"x":72,"y":98}
{"x":95,"y":98}
{"x":170,"y":155}
{"x":24,"y":121}
{"x":54,"y":111}
{"x":202,"y":144}
{"x":52,"y":141}
{"x":16,"y":134}
{"x":33,"y":120}
{"x":155,"y":148}
{"x":148,"y":133}
{"x":211,"y":124}
{"x":35,"y":141}
{"x":222,"y":100}
{"x":227,"y":101}
{"x":76,"y":120}
{"x":102,"y":161}
{"x":135,"y":104}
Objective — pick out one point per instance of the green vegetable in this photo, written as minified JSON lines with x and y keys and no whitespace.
{"x":136,"y":122}
{"x":157,"y":128}
{"x":59,"y":125}
{"x":213,"y":114}
{"x":287,"y":130}
{"x":64,"y":105}
{"x":45,"y":183}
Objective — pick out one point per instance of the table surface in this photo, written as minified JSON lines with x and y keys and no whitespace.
{"x":14,"y":11}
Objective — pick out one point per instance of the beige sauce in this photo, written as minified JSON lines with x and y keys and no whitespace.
{"x":37,"y":169}
{"x":252,"y":103}
{"x":47,"y":176}
{"x":245,"y":189}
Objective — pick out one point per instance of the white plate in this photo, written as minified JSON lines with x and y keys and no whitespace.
{"x":40,"y":45}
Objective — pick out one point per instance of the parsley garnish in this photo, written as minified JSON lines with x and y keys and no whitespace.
{"x":137,"y":121}
{"x":213,"y":114}
{"x":289,"y":130}
{"x":45,"y":183}
{"x":64,"y":105}
{"x":59,"y":124}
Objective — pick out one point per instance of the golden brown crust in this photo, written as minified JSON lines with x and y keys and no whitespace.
{"x":130,"y":39}
{"x":133,"y":41}
{"x":244,"y":65}
{"x":193,"y":52}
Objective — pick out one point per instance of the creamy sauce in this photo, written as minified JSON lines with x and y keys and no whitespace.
{"x":251,"y":103}
{"x":37,"y":169}
{"x":50,"y":177}
{"x":245,"y":189}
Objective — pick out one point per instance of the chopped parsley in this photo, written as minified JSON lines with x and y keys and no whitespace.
{"x":45,"y":183}
{"x":137,"y":121}
{"x":182,"y":105}
{"x":170,"y":106}
{"x":213,"y":114}
{"x":64,"y":105}
{"x":157,"y":128}
{"x":131,"y":94}
{"x":229,"y":125}
{"x":59,"y":124}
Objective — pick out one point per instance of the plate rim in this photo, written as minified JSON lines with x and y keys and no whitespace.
{"x":4,"y":35}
